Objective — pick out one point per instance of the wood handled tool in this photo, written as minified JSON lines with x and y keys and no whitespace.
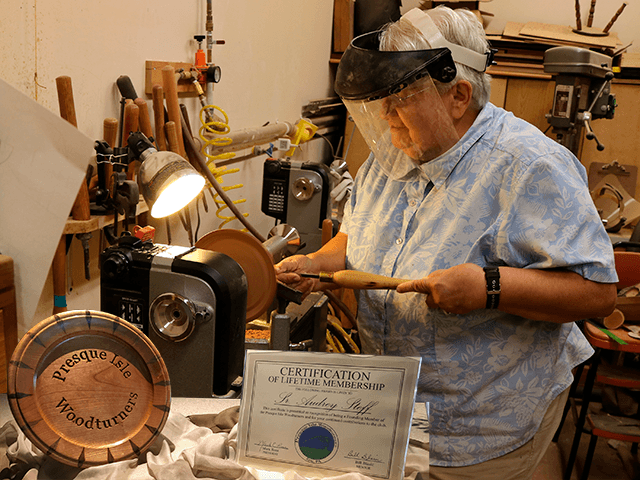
{"x":144,"y":119}
{"x":110,"y":131}
{"x":131,"y":124}
{"x":105,"y":167}
{"x":158,"y":116}
{"x":131,"y":120}
{"x":171,"y":137}
{"x":357,"y":280}
{"x":170,"y":86}
{"x":128,"y":92}
{"x":80,"y":210}
{"x":59,"y":274}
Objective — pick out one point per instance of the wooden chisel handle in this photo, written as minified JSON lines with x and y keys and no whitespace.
{"x":80,"y":210}
{"x":110,"y":131}
{"x":131,"y":121}
{"x":65,"y":100}
{"x":144,"y":119}
{"x":59,"y":275}
{"x":359,"y":280}
{"x":170,"y":86}
{"x":131,"y":124}
{"x":171,"y":137}
{"x":158,"y":116}
{"x":59,"y":265}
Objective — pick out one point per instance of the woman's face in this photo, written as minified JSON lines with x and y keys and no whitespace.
{"x":419,"y":123}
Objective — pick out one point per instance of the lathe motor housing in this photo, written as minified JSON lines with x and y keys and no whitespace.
{"x":190,"y":302}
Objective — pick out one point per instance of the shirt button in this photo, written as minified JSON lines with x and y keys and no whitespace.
{"x":412,"y":203}
{"x":399,"y":241}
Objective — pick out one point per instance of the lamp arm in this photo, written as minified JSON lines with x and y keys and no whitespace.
{"x":191,"y":146}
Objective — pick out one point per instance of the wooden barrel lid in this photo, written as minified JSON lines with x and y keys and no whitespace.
{"x":88,"y":388}
{"x":254,"y":259}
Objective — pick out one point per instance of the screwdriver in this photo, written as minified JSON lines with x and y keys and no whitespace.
{"x":357,"y":280}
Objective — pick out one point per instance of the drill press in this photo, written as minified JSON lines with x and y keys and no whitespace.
{"x":582,"y":93}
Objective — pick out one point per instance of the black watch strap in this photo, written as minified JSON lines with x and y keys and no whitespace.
{"x":492,"y":276}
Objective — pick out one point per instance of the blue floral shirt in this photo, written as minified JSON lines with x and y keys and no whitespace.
{"x":504,"y":195}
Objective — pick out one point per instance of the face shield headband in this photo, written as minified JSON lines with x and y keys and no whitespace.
{"x":366,"y":73}
{"x":465,"y":56}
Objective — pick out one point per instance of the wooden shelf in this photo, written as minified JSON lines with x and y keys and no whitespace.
{"x":98,"y":222}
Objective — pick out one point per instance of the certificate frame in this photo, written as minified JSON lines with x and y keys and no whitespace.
{"x":325,"y":414}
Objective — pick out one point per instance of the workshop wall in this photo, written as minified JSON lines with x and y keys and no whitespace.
{"x":275,"y":60}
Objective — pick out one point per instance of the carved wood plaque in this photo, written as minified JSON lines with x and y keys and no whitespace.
{"x":88,"y":388}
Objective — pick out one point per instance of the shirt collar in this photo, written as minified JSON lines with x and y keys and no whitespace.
{"x":439,"y":169}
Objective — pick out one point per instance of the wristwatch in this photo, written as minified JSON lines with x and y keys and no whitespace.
{"x":492,"y":276}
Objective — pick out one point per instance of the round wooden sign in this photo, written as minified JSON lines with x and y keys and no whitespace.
{"x":88,"y":388}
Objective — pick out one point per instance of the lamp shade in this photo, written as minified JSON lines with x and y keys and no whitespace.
{"x":167,"y":182}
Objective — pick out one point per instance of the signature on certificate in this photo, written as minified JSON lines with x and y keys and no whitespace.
{"x":271,"y":445}
{"x":354,"y":454}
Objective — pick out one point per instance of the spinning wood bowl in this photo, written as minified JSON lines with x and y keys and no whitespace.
{"x":254,"y":259}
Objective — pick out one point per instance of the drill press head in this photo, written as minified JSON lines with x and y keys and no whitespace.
{"x":582,"y":93}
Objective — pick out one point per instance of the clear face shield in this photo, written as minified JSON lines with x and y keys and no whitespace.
{"x":405,"y":129}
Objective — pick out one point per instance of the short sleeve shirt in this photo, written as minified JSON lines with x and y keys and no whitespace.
{"x":504,"y":195}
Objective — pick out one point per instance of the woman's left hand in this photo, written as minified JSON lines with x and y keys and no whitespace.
{"x":458,"y":289}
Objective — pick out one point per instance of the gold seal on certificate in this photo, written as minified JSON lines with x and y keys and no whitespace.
{"x":323,"y":414}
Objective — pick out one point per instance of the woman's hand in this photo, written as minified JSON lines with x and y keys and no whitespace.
{"x":288,"y":270}
{"x":458,"y":289}
{"x":329,"y":258}
{"x":553,"y":295}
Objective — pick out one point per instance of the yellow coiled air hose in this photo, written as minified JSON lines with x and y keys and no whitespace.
{"x":207,"y":125}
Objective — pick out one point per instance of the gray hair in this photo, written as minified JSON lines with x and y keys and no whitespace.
{"x":458,"y":26}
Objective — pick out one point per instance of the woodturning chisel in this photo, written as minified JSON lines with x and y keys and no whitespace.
{"x":357,"y":280}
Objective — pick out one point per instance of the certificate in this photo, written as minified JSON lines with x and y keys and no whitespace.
{"x":324,"y":413}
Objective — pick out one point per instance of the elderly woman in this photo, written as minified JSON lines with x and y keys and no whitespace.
{"x":495,"y":223}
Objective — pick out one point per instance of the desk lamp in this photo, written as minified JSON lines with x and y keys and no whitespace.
{"x":167,"y":181}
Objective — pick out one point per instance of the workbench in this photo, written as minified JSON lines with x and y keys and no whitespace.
{"x":416,"y":463}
